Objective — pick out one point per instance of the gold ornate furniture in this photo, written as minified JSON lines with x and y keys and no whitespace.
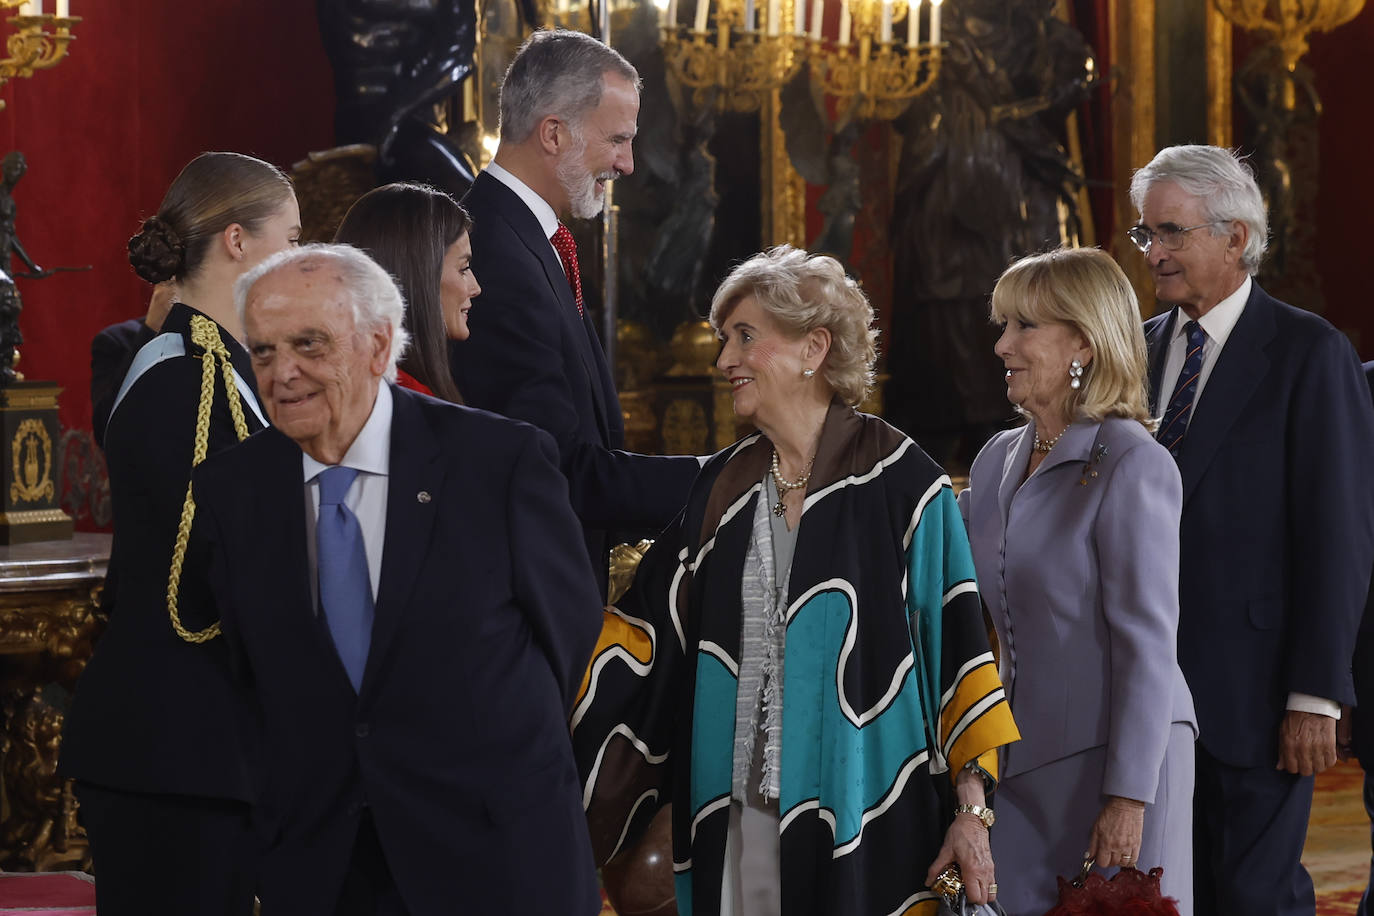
{"x":49,"y":618}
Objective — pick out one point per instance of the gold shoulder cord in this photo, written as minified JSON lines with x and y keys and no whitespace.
{"x":205,"y":335}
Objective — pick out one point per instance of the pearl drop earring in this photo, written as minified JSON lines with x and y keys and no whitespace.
{"x":1075,"y":375}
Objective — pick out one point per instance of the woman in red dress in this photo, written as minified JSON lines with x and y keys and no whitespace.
{"x":420,"y":236}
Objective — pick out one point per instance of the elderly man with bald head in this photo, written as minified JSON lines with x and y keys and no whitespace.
{"x":398,"y":592}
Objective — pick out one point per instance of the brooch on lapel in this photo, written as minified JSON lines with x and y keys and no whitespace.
{"x":1089,"y":467}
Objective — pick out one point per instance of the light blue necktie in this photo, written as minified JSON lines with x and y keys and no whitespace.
{"x":1174,"y":426}
{"x":345,"y":588}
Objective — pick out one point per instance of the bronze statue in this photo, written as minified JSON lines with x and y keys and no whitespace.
{"x":983,"y":178}
{"x":10,"y":336}
{"x":13,"y":168}
{"x":396,"y":62}
{"x":672,"y":275}
{"x":1279,"y":103}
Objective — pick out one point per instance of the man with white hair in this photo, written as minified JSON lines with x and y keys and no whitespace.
{"x":569,"y":109}
{"x":1267,"y":413}
{"x":395,"y":593}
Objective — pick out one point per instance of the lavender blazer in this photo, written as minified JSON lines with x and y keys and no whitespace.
{"x":1078,"y":567}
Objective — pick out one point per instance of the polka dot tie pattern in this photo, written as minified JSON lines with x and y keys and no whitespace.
{"x":1175,"y":423}
{"x":567,"y":253}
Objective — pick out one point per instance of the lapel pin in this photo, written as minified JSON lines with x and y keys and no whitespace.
{"x":422,"y":497}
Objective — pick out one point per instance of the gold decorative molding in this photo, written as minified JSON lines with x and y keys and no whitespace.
{"x":1132,"y":35}
{"x":1219,"y":70}
{"x":784,"y":204}
{"x":49,"y":620}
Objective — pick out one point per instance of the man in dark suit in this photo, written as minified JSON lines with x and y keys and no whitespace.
{"x":1267,"y":413}
{"x":397,"y":594}
{"x":569,"y":106}
{"x":113,"y":351}
{"x":1357,"y":736}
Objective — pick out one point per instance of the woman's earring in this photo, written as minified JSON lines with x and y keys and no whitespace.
{"x":807,"y":373}
{"x":1075,"y":375}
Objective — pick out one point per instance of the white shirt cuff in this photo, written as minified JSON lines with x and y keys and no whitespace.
{"x":1303,"y":702}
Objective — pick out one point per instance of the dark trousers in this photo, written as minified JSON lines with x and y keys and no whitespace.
{"x":1366,"y":905}
{"x":368,"y":888}
{"x":1249,"y":826}
{"x":169,"y":855}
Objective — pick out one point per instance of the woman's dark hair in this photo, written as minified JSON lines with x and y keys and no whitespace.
{"x":213,"y":192}
{"x":407,"y":228}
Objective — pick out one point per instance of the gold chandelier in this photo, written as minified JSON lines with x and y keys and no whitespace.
{"x":1288,"y":23}
{"x":39,"y":41}
{"x":868,"y":68}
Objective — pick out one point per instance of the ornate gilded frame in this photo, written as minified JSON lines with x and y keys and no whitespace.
{"x":1133,"y":36}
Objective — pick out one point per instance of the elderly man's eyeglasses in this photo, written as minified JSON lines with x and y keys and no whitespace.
{"x":1170,"y":236}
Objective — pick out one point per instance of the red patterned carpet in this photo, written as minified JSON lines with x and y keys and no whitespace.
{"x":1337,"y":852}
{"x":47,"y":894}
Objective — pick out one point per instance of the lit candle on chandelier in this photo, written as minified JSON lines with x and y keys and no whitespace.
{"x":774,"y":14}
{"x":844,"y":22}
{"x":913,"y":22}
{"x":817,"y":18}
{"x":670,"y":14}
{"x":64,"y":9}
{"x":935,"y":21}
{"x":886,"y":27}
{"x":703,"y":7}
{"x":799,"y":18}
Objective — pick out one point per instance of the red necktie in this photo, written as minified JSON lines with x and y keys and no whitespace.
{"x":567,"y":253}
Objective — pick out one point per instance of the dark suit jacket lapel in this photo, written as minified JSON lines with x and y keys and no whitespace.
{"x":1236,"y":375}
{"x":281,"y":494}
{"x":1157,"y":339}
{"x":527,"y":227}
{"x":416,"y":468}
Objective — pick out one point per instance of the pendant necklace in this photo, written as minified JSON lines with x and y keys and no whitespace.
{"x":785,"y":486}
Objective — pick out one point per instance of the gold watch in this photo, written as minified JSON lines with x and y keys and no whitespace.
{"x":983,"y":814}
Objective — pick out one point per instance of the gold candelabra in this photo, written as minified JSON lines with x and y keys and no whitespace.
{"x":1288,"y":23}
{"x":32,"y":46}
{"x":744,"y":63}
{"x":758,"y":45}
{"x":866,"y":71}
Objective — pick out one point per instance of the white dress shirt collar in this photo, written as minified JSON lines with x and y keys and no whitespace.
{"x":548,"y":219}
{"x":370,"y":455}
{"x":371,"y":450}
{"x":1221,"y":318}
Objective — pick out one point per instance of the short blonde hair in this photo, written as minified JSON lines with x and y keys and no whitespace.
{"x":803,"y":292}
{"x":1086,"y":290}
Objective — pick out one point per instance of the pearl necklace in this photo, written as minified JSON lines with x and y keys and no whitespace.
{"x":1044,"y":445}
{"x":785,"y":486}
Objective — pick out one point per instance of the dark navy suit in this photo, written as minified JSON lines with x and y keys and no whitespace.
{"x":1363,"y":667}
{"x":532,"y":357}
{"x":112,"y":350}
{"x":1277,"y":540}
{"x":455,"y":748}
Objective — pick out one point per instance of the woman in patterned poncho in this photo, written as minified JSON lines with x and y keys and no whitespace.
{"x":802,"y":667}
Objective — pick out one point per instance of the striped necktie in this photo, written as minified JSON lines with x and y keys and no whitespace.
{"x":1176,"y":416}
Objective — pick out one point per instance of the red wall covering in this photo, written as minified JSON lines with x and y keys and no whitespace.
{"x":1345,"y":199}
{"x":148,"y":85}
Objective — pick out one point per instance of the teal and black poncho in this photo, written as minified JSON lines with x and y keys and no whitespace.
{"x":889,"y":684}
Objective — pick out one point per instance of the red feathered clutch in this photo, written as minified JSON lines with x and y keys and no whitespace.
{"x":1130,"y":892}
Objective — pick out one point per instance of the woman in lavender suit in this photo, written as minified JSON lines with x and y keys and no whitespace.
{"x":1074,"y":521}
